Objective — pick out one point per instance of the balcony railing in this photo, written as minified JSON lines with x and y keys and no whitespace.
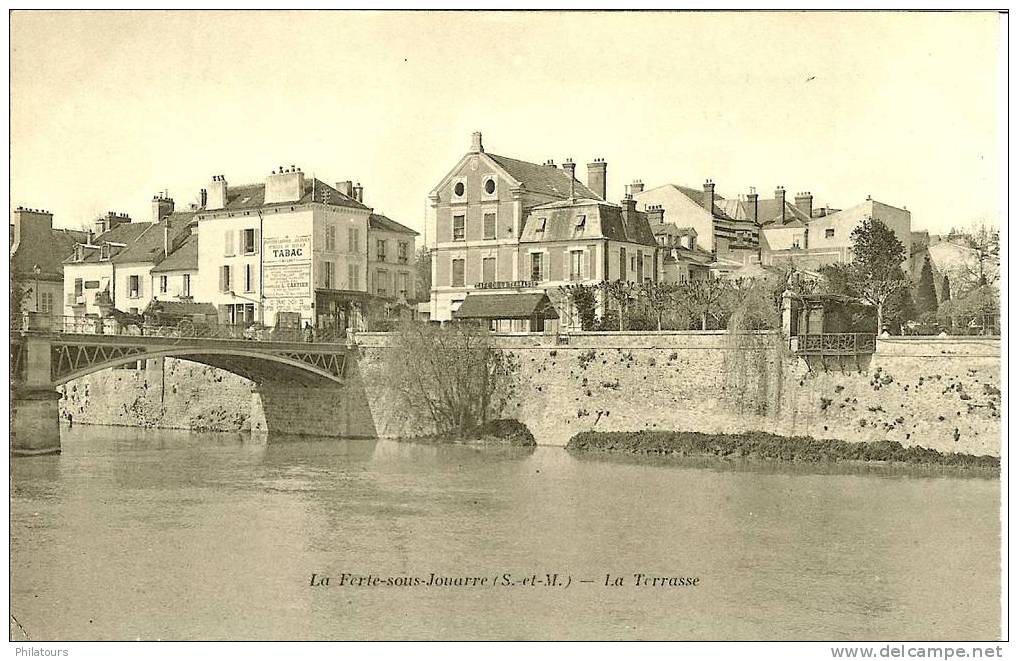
{"x":834,"y":344}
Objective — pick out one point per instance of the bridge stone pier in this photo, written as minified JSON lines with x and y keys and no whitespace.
{"x":299,"y":388}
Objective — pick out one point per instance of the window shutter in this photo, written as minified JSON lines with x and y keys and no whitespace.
{"x":228,"y":243}
{"x":240,"y":242}
{"x":257,"y":240}
{"x":222,"y":278}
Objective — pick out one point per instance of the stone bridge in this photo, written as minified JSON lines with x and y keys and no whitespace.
{"x":299,"y":387}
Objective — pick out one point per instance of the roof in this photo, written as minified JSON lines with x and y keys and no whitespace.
{"x":47,"y":255}
{"x":126,"y":234}
{"x":506,"y":306}
{"x":252,"y":196}
{"x":680,"y":254}
{"x":377,"y":221}
{"x":546,"y":179}
{"x":601,"y":221}
{"x":767,"y":211}
{"x":180,"y":308}
{"x":148,"y":245}
{"x":184,"y":258}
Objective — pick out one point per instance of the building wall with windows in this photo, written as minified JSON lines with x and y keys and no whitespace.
{"x":133,"y":283}
{"x":168,"y":285}
{"x":391,"y":268}
{"x":82,"y":283}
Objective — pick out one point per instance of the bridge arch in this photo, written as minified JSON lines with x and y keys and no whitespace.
{"x":261,"y":367}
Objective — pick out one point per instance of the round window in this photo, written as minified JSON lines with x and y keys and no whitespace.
{"x":489,"y":186}
{"x":459,"y":188}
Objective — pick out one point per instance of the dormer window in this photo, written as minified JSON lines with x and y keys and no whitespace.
{"x":104,"y":252}
{"x":79,"y":253}
{"x":542,"y":223}
{"x":581,"y":221}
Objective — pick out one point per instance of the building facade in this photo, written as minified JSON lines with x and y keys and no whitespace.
{"x":37,"y":252}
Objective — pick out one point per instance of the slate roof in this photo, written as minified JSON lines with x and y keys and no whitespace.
{"x":252,"y":196}
{"x":184,"y":258}
{"x":545,"y":179}
{"x":127,"y":234}
{"x":506,"y":306}
{"x":603,"y":221}
{"x":680,"y":254}
{"x":377,"y":221}
{"x":48,"y":256}
{"x":148,"y":246}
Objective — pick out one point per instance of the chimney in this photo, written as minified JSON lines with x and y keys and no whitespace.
{"x":752,"y":206}
{"x":358,"y":193}
{"x":635,"y":187}
{"x":708,"y":196}
{"x":287,"y":185}
{"x":476,"y":146}
{"x":779,"y":195}
{"x":35,"y":225}
{"x":597,"y":177}
{"x":203,"y":195}
{"x":345,"y":187}
{"x":162,"y":206}
{"x":655,"y":214}
{"x":111,"y":221}
{"x":217,"y":193}
{"x":804,"y":202}
{"x":628,"y":205}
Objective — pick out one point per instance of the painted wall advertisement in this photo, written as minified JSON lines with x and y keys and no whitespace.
{"x":286,"y":283}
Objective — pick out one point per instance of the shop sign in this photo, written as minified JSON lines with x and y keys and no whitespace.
{"x":287,"y":250}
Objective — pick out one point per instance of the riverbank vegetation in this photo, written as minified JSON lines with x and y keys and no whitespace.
{"x":762,"y":445}
{"x":496,"y":433}
{"x":449,"y":381}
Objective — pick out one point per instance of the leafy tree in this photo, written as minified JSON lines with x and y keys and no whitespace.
{"x":583,"y":298}
{"x":875,"y":274}
{"x":422,"y":261}
{"x":703,"y":299}
{"x":926,"y":292}
{"x":659,"y":297}
{"x":618,"y":294}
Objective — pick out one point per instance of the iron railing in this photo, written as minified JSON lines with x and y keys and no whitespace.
{"x":834,"y":344}
{"x":186,"y":328}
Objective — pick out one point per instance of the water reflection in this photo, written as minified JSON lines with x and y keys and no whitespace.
{"x":177,"y":535}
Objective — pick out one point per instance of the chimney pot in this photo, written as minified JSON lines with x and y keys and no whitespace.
{"x":476,"y":145}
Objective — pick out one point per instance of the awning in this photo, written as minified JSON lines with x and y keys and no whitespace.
{"x":506,"y":306}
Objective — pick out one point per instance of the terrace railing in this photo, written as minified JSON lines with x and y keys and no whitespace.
{"x":834,"y":344}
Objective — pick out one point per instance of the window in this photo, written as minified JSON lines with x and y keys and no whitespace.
{"x":163,"y":282}
{"x":458,"y":228}
{"x":489,"y":226}
{"x":133,"y":286}
{"x":489,"y":186}
{"x":576,"y":265}
{"x":46,"y":302}
{"x":353,"y":236}
{"x":380,"y":249}
{"x":104,"y":252}
{"x":186,"y":289}
{"x":79,"y":253}
{"x":795,"y":243}
{"x":249,"y":277}
{"x":457,"y":272}
{"x":632,"y":263}
{"x":622,"y":264}
{"x":536,"y":266}
{"x":249,"y":241}
{"x":403,"y":252}
{"x":829,"y":233}
{"x":79,"y":287}
{"x":488,"y":269}
{"x":404,"y":283}
{"x":224,"y":278}
{"x":330,"y":238}
{"x":382,"y":283}
{"x":581,"y":221}
{"x":328,"y":275}
{"x":353,"y":276}
{"x":541,"y":224}
{"x":639,"y":265}
{"x":459,"y":189}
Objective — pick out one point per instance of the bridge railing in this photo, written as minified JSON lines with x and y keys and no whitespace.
{"x":187,"y":328}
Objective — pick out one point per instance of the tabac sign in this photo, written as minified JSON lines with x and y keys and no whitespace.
{"x":287,"y":250}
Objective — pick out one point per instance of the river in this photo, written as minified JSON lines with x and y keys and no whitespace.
{"x":160,"y":534}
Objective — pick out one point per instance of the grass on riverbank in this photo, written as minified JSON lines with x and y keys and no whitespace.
{"x":762,"y":445}
{"x":506,"y":432}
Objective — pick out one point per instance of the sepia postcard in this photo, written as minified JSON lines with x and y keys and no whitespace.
{"x":479,"y":325}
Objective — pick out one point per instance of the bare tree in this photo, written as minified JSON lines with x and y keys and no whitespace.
{"x":659,"y":297}
{"x":703,"y":299}
{"x":619,"y":293}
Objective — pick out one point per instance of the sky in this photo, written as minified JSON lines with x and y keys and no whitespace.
{"x":109,"y":108}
